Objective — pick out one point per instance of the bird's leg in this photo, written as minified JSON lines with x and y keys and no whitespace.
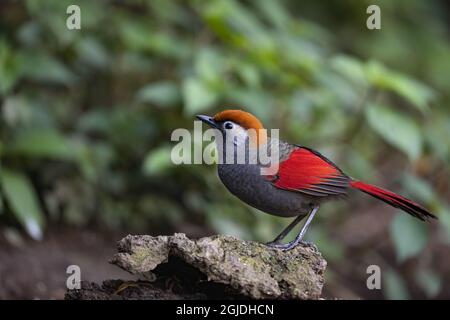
{"x":302,"y":232}
{"x":298,"y":239}
{"x":285,"y":232}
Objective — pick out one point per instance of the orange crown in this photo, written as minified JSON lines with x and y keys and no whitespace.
{"x":244,"y":119}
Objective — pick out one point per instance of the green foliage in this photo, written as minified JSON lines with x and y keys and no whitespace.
{"x":399,"y":130}
{"x":86,"y":116}
{"x":444,"y":214}
{"x":197,"y":96}
{"x":394,"y":286}
{"x":409,"y":236}
{"x":164,"y":94}
{"x":430,"y":282}
{"x":22,"y":199}
{"x":413,"y":91}
{"x":41,"y":142}
{"x":158,"y":160}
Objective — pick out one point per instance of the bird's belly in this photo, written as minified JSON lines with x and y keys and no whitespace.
{"x":245,"y":182}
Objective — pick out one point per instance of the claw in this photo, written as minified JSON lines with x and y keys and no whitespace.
{"x":278,"y":245}
{"x":288,"y":246}
{"x":273,"y":244}
{"x":307,"y":243}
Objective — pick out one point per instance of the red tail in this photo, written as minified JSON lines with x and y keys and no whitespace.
{"x":394,"y":200}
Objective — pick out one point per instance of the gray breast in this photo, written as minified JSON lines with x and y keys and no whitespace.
{"x":246,"y":182}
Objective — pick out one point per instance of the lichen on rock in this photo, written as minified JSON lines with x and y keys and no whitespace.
{"x":241,"y":268}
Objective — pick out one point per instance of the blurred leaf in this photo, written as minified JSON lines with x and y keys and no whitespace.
{"x":359,"y":165}
{"x":394,"y":286}
{"x":430,"y":282}
{"x":399,"y":130}
{"x":409,"y":236}
{"x":43,"y":67}
{"x":135,"y":35}
{"x":162,"y":209}
{"x":42,"y":143}
{"x":22,"y":200}
{"x":436,"y":135}
{"x":257,"y":102}
{"x":351,"y":68}
{"x":157,"y":160}
{"x":249,"y":74}
{"x":29,"y":34}
{"x":163,"y":93}
{"x":342,"y":91}
{"x":330,"y":248}
{"x":194,"y":201}
{"x":9,"y":68}
{"x":2,"y":206}
{"x":170,"y":11}
{"x":227,"y":226}
{"x":419,"y":188}
{"x":140,"y":36}
{"x":168,"y":45}
{"x":444,"y":219}
{"x":275,"y":12}
{"x":92,"y":52}
{"x":241,"y":24}
{"x":416,"y":93}
{"x":264,"y":226}
{"x":93,"y":159}
{"x":16,"y":111}
{"x":96,"y":120}
{"x":74,"y":216}
{"x":14,"y":237}
{"x":135,"y":62}
{"x":209,"y":66}
{"x":197,"y":96}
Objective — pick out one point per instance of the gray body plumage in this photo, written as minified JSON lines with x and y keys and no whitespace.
{"x":246,"y":182}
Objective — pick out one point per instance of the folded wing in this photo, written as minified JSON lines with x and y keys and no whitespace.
{"x":309,"y":172}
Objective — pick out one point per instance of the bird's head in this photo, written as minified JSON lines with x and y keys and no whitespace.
{"x":237,"y":126}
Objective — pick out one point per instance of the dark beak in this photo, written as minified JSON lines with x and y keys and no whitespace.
{"x":208,"y":120}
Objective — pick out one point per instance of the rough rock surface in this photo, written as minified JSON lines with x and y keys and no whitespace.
{"x":176,"y":267}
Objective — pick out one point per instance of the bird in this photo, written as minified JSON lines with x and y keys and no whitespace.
{"x":302,"y":181}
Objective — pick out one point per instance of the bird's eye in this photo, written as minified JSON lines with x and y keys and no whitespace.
{"x":228,"y":125}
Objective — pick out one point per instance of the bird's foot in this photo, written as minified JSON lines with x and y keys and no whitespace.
{"x":273,"y":244}
{"x":307,"y":243}
{"x":288,"y":246}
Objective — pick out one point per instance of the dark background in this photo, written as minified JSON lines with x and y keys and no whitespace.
{"x":86,"y":117}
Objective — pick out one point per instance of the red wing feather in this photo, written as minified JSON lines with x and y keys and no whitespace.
{"x":309,"y":172}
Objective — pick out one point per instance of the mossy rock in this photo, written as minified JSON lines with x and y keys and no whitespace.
{"x":239,"y":268}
